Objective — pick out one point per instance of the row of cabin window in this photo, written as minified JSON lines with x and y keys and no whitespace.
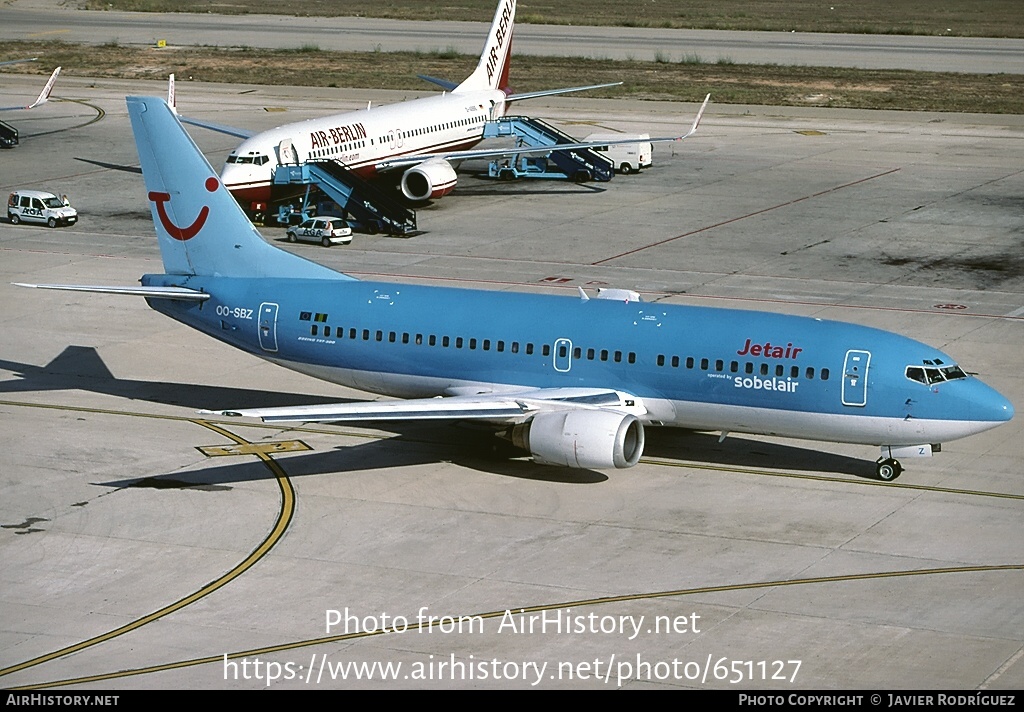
{"x":748,"y":367}
{"x":563,"y":352}
{"x":321,"y":152}
{"x":437,"y":127}
{"x":459,"y":342}
{"x":430,"y":340}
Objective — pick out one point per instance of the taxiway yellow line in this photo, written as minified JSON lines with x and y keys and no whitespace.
{"x":284,"y":517}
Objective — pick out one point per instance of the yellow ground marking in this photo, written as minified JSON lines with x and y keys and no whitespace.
{"x":284,"y":518}
{"x":270,"y":448}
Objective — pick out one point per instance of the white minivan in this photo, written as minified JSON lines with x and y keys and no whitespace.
{"x":40,"y":207}
{"x":627,"y":157}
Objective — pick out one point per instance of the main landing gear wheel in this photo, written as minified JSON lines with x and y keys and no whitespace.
{"x":888,"y":470}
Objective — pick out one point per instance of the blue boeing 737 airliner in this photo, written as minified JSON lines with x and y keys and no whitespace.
{"x":573,"y":380}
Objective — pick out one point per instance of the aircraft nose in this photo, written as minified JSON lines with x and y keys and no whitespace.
{"x":229,"y":174}
{"x":991,"y":406}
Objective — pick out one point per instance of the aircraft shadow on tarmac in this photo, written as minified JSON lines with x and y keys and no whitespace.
{"x":81,"y":368}
{"x":492,"y":188}
{"x":112,"y":166}
{"x":423,"y":445}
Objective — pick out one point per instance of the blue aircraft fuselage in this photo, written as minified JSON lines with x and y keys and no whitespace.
{"x":696,"y":367}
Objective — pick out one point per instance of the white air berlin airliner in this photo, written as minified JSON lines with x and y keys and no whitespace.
{"x":420,"y":137}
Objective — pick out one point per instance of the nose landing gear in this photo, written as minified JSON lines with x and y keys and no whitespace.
{"x":888,"y":469}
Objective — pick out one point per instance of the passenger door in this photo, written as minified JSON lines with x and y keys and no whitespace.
{"x":268,"y":326}
{"x":855,"y":378}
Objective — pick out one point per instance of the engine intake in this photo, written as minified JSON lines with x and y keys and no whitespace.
{"x":585,"y":439}
{"x":429,"y":180}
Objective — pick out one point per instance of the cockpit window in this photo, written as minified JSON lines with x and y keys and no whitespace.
{"x":916,"y":373}
{"x":953,"y":372}
{"x":256,"y":158}
{"x":934,"y":372}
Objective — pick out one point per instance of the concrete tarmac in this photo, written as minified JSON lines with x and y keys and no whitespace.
{"x":142,"y":542}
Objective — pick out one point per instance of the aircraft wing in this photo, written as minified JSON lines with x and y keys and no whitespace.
{"x":553,"y":92}
{"x":406,"y":161}
{"x":44,"y":95}
{"x":211,"y":125}
{"x":515,"y":407}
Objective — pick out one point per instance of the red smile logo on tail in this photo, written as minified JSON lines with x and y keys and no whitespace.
{"x":182,"y":233}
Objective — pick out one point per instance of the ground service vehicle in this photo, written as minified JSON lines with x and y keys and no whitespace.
{"x":40,"y":207}
{"x":326,"y":230}
{"x":627,"y":157}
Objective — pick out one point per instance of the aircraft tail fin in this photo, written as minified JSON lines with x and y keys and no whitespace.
{"x":199,"y":226}
{"x":492,"y":70}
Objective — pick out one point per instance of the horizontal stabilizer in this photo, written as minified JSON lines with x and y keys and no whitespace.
{"x":219,"y":128}
{"x":443,"y":83}
{"x":184,"y":293}
{"x":172,"y":102}
{"x":18,"y":61}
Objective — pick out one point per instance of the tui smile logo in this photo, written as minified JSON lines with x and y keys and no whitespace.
{"x":182,"y":233}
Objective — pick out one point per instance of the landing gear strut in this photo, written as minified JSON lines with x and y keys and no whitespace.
{"x":888,"y":470}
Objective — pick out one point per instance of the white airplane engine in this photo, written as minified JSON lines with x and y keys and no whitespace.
{"x":586,"y":439}
{"x":429,"y":180}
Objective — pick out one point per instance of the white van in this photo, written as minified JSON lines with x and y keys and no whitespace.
{"x":40,"y":207}
{"x":627,"y":157}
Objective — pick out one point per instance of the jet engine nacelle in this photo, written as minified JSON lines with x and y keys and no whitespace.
{"x":428,"y":180}
{"x":586,"y":439}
